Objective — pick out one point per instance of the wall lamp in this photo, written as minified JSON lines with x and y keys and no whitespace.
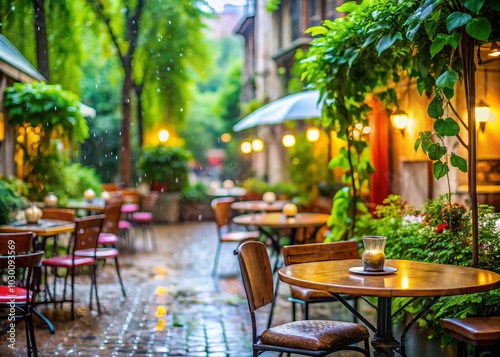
{"x":2,"y":127}
{"x":399,"y":120}
{"x":482,"y":114}
{"x":494,"y":50}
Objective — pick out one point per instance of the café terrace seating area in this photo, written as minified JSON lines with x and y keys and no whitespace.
{"x":175,"y":288}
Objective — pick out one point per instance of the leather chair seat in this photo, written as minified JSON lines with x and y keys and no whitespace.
{"x":474,"y":328}
{"x":314,"y":335}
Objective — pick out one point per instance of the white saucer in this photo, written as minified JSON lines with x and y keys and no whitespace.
{"x":360,"y":270}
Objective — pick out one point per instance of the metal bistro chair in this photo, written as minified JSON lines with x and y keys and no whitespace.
{"x":222,"y":211}
{"x":144,"y":218}
{"x":478,"y":332}
{"x":21,"y":287}
{"x":62,"y":214}
{"x":308,"y":337}
{"x":85,"y":237}
{"x":317,"y":252}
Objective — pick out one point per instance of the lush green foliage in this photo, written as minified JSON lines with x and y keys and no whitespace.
{"x":346,"y":62}
{"x":12,"y":197}
{"x":440,"y":233}
{"x":254,"y":185}
{"x":165,"y":164}
{"x":307,"y":168}
{"x":79,"y":178}
{"x":195,"y":193}
{"x":49,"y":107}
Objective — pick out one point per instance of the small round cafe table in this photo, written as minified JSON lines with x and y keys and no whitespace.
{"x":402,"y":278}
{"x":258,"y":206}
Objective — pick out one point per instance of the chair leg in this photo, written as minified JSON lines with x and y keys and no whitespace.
{"x":72,"y":293}
{"x":28,"y":336}
{"x":294,"y":312}
{"x":95,"y":288}
{"x":152,"y":235}
{"x":32,"y":335}
{"x":306,"y":310}
{"x":119,"y":276}
{"x":367,"y":348}
{"x":216,"y":260}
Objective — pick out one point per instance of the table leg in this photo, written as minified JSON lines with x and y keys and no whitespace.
{"x":384,"y":342}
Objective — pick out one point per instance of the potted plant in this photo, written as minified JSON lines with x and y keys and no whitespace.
{"x":195,"y":204}
{"x":166,"y":169}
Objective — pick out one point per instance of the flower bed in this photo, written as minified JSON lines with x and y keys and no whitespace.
{"x":440,"y":232}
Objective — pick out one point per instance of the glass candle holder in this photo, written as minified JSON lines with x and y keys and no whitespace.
{"x":373,"y":257}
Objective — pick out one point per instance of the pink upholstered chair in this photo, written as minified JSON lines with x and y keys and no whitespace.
{"x":144,"y":218}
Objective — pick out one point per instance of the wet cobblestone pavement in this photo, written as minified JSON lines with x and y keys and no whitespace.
{"x":173,"y":305}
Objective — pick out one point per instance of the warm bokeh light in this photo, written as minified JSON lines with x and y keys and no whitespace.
{"x":161,"y":291}
{"x":257,"y":145}
{"x":225,"y":138}
{"x":160,"y":326}
{"x":160,"y":311}
{"x":163,"y":135}
{"x":359,"y":126}
{"x":366,"y":130}
{"x":246,"y":147}
{"x":288,"y":140}
{"x":312,"y":134}
{"x":290,"y":209}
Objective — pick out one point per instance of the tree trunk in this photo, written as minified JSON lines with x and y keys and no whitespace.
{"x":467,"y":55}
{"x":140,"y":125}
{"x":42,"y":48}
{"x":125,"y":157}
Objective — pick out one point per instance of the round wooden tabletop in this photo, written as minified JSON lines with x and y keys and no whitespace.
{"x":227,"y":192}
{"x":258,"y":206}
{"x":44,"y":227}
{"x":278,"y":220}
{"x":412,"y":279}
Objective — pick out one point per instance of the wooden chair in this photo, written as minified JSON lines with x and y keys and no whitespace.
{"x":317,"y":252}
{"x":22,"y":268}
{"x":308,"y":337}
{"x":144,"y":218}
{"x":85,"y":237}
{"x":222,"y":212}
{"x":62,"y":214}
{"x":478,"y":332}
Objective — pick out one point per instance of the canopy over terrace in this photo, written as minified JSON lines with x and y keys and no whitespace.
{"x":298,"y":106}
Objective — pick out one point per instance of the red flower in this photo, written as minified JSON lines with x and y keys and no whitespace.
{"x":441,"y":227}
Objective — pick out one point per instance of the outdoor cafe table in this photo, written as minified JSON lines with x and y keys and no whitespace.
{"x":412,"y":279}
{"x":227,"y":192}
{"x":44,"y":228}
{"x":258,"y":206}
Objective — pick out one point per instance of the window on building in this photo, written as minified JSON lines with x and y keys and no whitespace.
{"x":295,"y":19}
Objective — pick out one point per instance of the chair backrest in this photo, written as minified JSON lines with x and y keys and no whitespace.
{"x":24,"y":266}
{"x":62,"y":214}
{"x":113,"y":212}
{"x":110,"y":187}
{"x":87,"y":231}
{"x":129,"y":195}
{"x":318,"y":252}
{"x":222,"y":210}
{"x":16,"y":242}
{"x":149,"y":201}
{"x":257,"y":274}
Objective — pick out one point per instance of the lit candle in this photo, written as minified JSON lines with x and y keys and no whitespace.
{"x":269,"y":197}
{"x":228,"y":184}
{"x":89,"y":194}
{"x":290,"y":210}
